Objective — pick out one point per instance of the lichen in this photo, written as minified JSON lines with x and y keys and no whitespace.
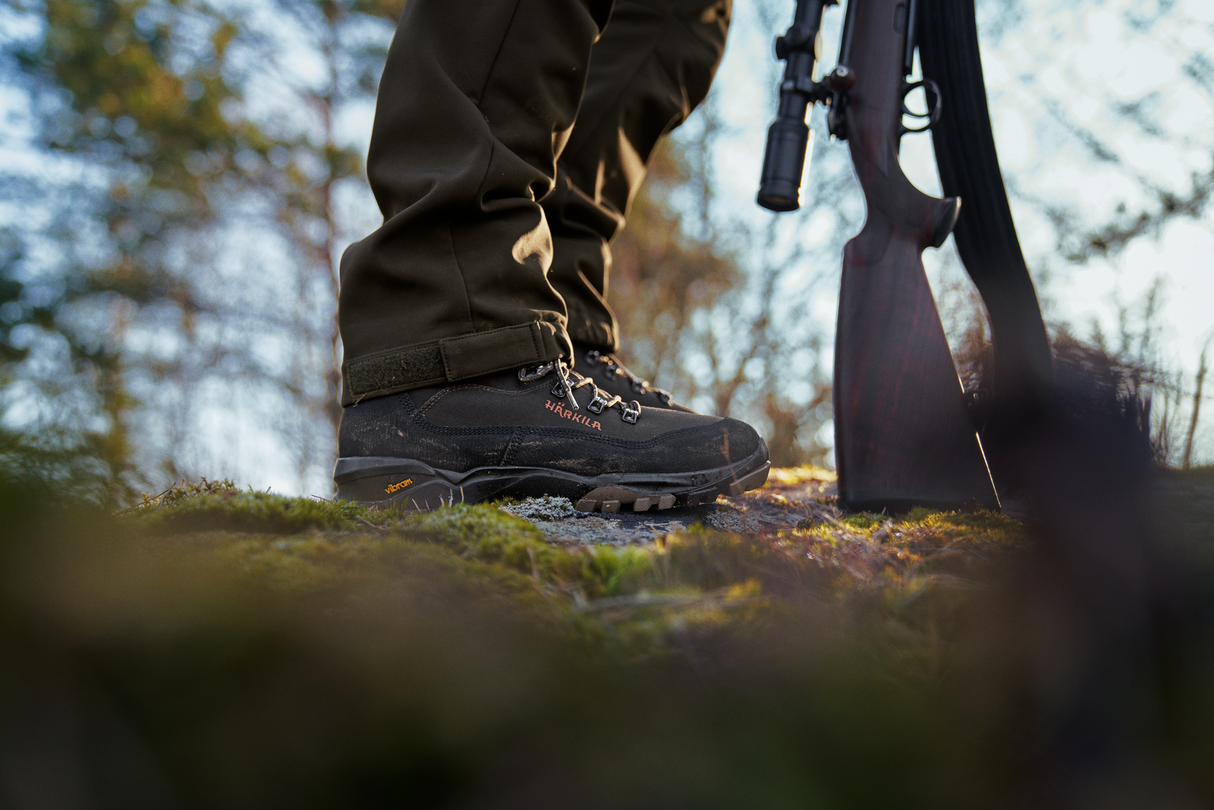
{"x":546,"y":508}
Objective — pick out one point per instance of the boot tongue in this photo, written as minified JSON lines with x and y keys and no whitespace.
{"x":592,"y":358}
{"x":601,"y":363}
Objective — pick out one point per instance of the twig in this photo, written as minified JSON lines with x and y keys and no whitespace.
{"x":146,"y":502}
{"x":1201,"y":378}
{"x":366,"y":522}
{"x":535,"y":571}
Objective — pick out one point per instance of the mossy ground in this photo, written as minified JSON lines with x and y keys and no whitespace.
{"x":219,"y":647}
{"x":639,"y":595}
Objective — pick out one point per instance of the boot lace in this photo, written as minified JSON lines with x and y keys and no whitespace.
{"x":569,"y":381}
{"x":614,"y":368}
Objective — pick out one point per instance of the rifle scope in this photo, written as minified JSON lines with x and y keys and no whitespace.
{"x":789,"y":138}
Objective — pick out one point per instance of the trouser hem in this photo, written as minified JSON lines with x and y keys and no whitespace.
{"x":451,"y":359}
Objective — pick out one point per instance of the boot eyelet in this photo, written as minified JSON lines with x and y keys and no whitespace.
{"x":533,"y":373}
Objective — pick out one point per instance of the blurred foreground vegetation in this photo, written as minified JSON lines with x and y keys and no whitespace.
{"x":220,"y":648}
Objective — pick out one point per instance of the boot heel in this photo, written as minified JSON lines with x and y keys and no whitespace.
{"x":389,"y":483}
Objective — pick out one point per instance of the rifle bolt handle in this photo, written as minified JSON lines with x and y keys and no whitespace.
{"x":841,"y":79}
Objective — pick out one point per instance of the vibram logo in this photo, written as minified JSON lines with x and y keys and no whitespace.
{"x":408,"y":482}
{"x":561,"y":410}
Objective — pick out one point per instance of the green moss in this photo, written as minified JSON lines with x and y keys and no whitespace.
{"x":301,"y":563}
{"x":485,"y":533}
{"x":864,"y":520}
{"x":248,"y":511}
{"x":605,"y":571}
{"x":707,"y":560}
{"x":305,"y":546}
{"x":979,"y":519}
{"x":637,"y":601}
{"x":481,"y":530}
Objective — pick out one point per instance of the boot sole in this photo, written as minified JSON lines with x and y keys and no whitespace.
{"x":411,"y":486}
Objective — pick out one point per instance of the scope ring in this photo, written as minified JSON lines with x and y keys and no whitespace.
{"x":933,"y":114}
{"x":795,"y":38}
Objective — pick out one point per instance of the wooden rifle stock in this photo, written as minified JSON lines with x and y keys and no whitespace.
{"x":903,"y":436}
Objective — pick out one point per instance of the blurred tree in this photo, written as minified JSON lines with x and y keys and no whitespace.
{"x":124,"y":143}
{"x":184,"y":226}
{"x":348,"y":39}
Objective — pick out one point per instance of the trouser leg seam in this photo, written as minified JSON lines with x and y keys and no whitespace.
{"x":497,"y":56}
{"x":463,"y":281}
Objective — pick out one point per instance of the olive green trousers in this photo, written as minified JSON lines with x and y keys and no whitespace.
{"x":510,"y":137}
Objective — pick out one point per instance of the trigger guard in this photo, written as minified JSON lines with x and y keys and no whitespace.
{"x":933,"y":114}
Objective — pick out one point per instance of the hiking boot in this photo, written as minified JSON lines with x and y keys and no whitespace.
{"x":543,"y":430}
{"x":610,"y":375}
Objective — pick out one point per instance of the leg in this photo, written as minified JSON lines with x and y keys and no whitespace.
{"x":477,"y":100}
{"x":653,"y":65}
{"x":455,"y":387}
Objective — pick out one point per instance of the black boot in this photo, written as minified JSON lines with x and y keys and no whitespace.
{"x":541,"y":430}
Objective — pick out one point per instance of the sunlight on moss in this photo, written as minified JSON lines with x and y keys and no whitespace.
{"x":183,"y":491}
{"x":864,"y":520}
{"x":794,"y":476}
{"x":979,"y":519}
{"x":480,"y":531}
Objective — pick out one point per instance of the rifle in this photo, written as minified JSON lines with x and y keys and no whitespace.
{"x":903,"y":430}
